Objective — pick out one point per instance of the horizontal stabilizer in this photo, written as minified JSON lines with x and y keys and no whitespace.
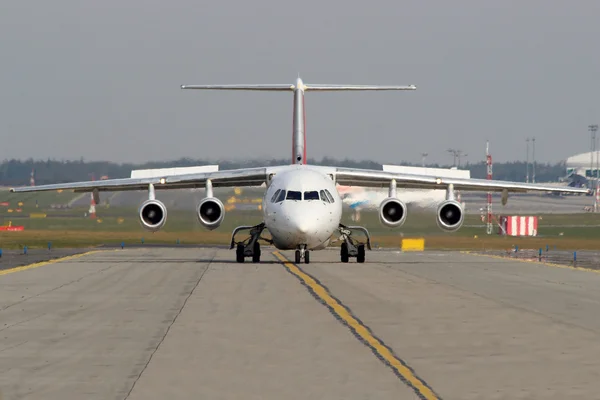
{"x":335,"y":88}
{"x":277,"y":88}
{"x":298,"y":85}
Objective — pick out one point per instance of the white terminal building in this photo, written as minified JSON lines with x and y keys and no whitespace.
{"x":582,"y":165}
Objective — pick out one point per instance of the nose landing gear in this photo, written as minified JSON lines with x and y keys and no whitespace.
{"x":302,"y":254}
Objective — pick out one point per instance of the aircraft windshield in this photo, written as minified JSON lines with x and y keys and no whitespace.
{"x":311,"y":195}
{"x":281,"y":196}
{"x":292,"y":195}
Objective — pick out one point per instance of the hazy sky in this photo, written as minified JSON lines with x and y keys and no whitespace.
{"x":100,"y":79}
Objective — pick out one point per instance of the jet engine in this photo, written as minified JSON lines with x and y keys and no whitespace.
{"x":210,"y":212}
{"x":153,"y":215}
{"x":450,"y":215}
{"x":392,"y":212}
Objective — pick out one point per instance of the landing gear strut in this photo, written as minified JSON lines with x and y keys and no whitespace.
{"x":351,"y":247}
{"x":302,"y":254}
{"x":250,"y":247}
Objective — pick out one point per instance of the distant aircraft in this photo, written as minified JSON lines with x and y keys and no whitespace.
{"x":301,"y":206}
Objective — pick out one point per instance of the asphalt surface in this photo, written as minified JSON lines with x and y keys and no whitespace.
{"x":155,"y":323}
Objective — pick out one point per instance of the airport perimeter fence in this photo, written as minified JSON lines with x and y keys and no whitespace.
{"x":576,"y":258}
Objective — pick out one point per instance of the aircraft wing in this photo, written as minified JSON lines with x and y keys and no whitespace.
{"x":225,"y":178}
{"x":374,"y":178}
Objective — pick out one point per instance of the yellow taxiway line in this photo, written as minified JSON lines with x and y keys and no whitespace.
{"x":384,"y":353}
{"x":43,"y":263}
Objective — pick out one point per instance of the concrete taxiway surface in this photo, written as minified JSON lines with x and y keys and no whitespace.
{"x":189,"y":323}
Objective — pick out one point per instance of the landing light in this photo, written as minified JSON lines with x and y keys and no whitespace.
{"x":162,"y":181}
{"x":438,"y":180}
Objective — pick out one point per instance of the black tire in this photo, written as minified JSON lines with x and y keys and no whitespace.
{"x":360,"y":257}
{"x":297,"y":256}
{"x":307,"y":257}
{"x":256,"y":252}
{"x":344,"y":253}
{"x":239,"y":253}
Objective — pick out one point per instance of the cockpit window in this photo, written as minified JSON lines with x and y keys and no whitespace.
{"x":311,"y":195}
{"x":324,"y":197}
{"x":275,"y":196}
{"x":292,"y":195}
{"x":281,"y":196}
{"x":329,"y":196}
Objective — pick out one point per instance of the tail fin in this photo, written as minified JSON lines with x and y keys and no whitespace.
{"x":299,"y":113}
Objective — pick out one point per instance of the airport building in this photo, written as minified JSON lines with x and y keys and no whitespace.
{"x":584,"y":165}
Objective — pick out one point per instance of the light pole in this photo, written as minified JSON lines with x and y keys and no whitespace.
{"x":459,"y":156}
{"x":423,"y":155}
{"x":592,"y":148}
{"x":527,"y":162}
{"x":533,"y":161}
{"x":456,"y":154}
{"x":593,"y":129}
{"x":453,"y":152}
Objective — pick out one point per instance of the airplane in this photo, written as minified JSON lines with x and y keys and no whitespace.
{"x":301,"y":206}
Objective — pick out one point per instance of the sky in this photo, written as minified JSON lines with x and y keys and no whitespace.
{"x":101,"y":80}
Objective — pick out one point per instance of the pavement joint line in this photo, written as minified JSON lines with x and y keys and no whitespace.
{"x":544,"y":263}
{"x":47,"y":262}
{"x":362,"y":332}
{"x":162,"y":339}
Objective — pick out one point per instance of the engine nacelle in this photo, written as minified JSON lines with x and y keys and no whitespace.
{"x":450,"y":215}
{"x":392,"y":212}
{"x":153,"y":215}
{"x":210,"y":212}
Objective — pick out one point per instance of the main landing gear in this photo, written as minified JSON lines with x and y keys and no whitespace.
{"x":302,"y":254}
{"x":351,"y":247}
{"x":250,"y":247}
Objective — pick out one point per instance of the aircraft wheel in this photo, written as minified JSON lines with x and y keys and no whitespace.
{"x":360,"y":257}
{"x":297,"y":256}
{"x":256,"y":252}
{"x":306,"y":257}
{"x":344,"y":253}
{"x":239,"y":253}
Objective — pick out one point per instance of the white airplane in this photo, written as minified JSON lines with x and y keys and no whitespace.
{"x":301,"y":206}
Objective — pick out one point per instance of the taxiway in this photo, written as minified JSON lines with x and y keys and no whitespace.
{"x":188,"y":323}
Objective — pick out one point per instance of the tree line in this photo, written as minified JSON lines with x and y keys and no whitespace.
{"x":18,"y":172}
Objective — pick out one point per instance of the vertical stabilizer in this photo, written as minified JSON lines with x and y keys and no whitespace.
{"x":299,"y":125}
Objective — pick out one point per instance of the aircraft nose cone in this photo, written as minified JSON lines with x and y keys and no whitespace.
{"x":302,"y":227}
